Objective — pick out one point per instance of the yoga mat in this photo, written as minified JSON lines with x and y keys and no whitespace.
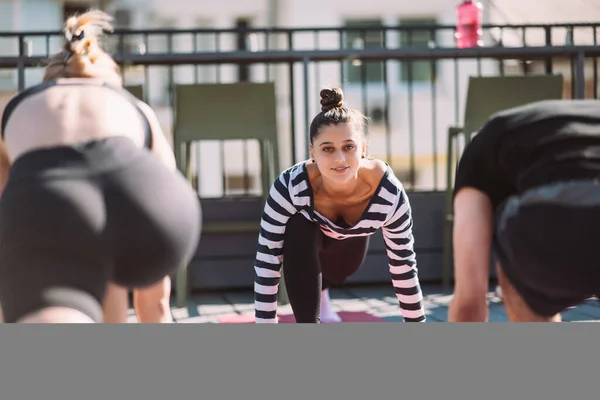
{"x":347,"y":316}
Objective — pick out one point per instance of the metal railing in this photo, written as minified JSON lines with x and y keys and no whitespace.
{"x":409,"y":80}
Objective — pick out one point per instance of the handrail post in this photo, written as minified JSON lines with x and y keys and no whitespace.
{"x":580,"y":75}
{"x":21,"y":64}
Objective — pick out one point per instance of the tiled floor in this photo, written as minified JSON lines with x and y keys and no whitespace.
{"x":379,"y":301}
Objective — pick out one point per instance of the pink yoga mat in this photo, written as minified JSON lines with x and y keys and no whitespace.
{"x":347,"y":316}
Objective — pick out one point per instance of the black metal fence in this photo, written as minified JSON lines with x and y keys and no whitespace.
{"x":409,"y":80}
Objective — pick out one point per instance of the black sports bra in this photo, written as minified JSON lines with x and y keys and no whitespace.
{"x":14,"y":102}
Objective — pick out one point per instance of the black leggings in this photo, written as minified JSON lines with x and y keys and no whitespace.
{"x":313,"y":262}
{"x":74,"y":218}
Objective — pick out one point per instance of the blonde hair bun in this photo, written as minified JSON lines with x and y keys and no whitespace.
{"x":83,"y":32}
{"x":82,"y":55}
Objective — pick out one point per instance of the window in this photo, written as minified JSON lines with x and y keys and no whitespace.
{"x":122,"y":20}
{"x":72,"y":8}
{"x":420,"y":70}
{"x":363,"y":39}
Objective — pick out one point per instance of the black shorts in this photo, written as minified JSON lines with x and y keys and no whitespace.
{"x":74,"y":218}
{"x":548,"y":244}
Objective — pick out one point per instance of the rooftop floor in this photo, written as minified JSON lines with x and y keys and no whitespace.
{"x":376,"y":300}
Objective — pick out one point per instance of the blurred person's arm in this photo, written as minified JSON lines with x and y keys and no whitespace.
{"x":160,"y":144}
{"x":480,"y":186}
{"x":472,"y":236}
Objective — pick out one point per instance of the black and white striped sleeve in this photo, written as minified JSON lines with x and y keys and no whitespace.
{"x":269,"y":255}
{"x":399,"y":241}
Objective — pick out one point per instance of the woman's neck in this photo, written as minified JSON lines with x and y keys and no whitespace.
{"x":335,"y":189}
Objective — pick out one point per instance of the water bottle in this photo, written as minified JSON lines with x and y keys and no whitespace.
{"x":468,"y":28}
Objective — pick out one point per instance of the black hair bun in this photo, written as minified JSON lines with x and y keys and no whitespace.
{"x":331,"y":98}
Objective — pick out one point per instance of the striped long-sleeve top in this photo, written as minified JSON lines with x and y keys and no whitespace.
{"x":388,"y":210}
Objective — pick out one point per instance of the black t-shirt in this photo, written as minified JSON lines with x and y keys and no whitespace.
{"x":532,"y":145}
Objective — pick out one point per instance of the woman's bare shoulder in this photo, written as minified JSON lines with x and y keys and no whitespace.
{"x":373,"y":170}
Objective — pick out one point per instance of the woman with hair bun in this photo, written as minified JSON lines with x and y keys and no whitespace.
{"x":92,"y":204}
{"x":320,"y":213}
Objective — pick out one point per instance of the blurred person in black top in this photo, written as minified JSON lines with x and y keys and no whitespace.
{"x":527,"y":189}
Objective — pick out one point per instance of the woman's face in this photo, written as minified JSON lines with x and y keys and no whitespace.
{"x":337,"y":151}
